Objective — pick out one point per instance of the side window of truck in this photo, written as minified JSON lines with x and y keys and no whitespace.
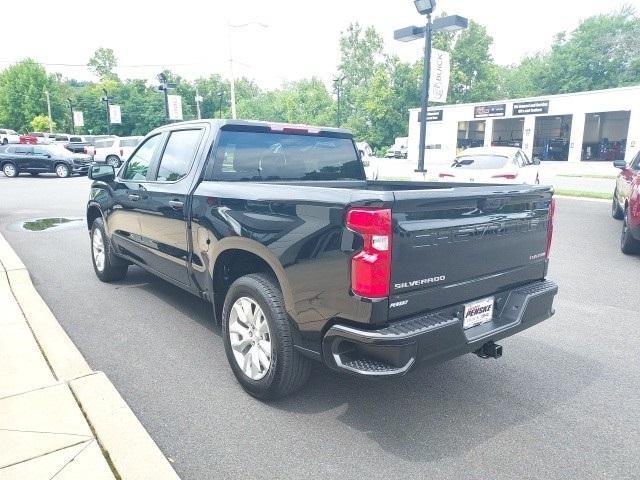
{"x":138,"y":165}
{"x":178,"y":155}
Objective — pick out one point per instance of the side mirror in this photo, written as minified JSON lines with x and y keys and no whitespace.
{"x":104,"y":173}
{"x":621,"y":164}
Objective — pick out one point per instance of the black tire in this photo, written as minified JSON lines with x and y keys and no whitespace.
{"x":113,"y":161}
{"x":616,"y":209}
{"x":62,"y":170}
{"x":628,"y":244}
{"x":5,"y":141}
{"x":288,"y":369}
{"x":10,"y":170}
{"x":114,"y":268}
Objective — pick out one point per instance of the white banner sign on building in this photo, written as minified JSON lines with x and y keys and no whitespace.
{"x":175,"y":107}
{"x":114,"y":114}
{"x":78,"y":119}
{"x":439,"y":80}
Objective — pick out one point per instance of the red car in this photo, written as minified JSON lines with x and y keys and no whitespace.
{"x":626,"y":204}
{"x":28,"y":139}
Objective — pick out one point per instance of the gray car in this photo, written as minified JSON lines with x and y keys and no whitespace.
{"x":36,"y":159}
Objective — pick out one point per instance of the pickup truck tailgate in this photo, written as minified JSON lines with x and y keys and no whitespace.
{"x":458,"y":244}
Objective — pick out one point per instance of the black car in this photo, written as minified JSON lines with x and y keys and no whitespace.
{"x":305,"y":259}
{"x":35,"y":159}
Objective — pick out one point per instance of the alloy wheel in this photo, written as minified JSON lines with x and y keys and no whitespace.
{"x":62,"y":171}
{"x":97,"y":247}
{"x":250,"y":338}
{"x":9,"y":170}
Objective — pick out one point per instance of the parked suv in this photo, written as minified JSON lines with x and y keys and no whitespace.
{"x":305,"y":259}
{"x":113,"y":151}
{"x":36,"y":159}
{"x":626,"y":204}
{"x":8,"y":136}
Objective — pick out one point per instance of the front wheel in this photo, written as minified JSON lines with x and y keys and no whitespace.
{"x":258,"y":339}
{"x":113,"y":161}
{"x":628,"y":244}
{"x":106,"y":264}
{"x":62,"y":170}
{"x":5,"y":141}
{"x":10,"y":170}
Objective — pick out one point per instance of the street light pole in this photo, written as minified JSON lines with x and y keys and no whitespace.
{"x":105,"y":99}
{"x":338,"y":85}
{"x":451,"y":23}
{"x":46,"y":92}
{"x":73,"y":124}
{"x":233,"y":80}
{"x":425,"y":95}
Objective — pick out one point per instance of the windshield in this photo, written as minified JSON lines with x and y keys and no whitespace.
{"x":480,"y":162}
{"x":279,"y":156}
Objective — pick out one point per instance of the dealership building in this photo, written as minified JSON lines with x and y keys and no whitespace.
{"x":596,"y":126}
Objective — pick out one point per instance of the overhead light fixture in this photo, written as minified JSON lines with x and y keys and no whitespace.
{"x":425,"y":7}
{"x":450,"y":23}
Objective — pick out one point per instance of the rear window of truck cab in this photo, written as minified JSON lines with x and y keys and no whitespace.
{"x":268,"y":156}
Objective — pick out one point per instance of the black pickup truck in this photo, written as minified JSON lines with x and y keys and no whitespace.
{"x":304,"y":259}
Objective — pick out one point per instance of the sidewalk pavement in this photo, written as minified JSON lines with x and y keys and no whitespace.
{"x":58,"y":418}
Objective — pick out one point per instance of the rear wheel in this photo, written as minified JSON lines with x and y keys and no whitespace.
{"x":106,"y":264}
{"x":62,"y":170}
{"x":5,"y":141}
{"x":10,"y":170}
{"x":628,"y":244}
{"x":113,"y":161}
{"x":258,"y":339}
{"x":616,"y":210}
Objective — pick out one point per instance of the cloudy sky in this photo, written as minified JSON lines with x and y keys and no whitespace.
{"x":300,"y":40}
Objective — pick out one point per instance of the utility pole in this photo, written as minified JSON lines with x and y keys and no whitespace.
{"x":73,"y":124}
{"x":198,"y":100}
{"x":338,"y":86}
{"x":233,"y":80}
{"x":220,"y":97}
{"x":46,"y":92}
{"x":106,"y":100}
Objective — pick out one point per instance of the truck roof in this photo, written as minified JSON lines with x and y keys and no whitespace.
{"x":219,"y":123}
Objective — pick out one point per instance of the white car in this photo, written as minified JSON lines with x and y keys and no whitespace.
{"x":492,"y":165}
{"x":8,"y":136}
{"x":368,"y":160}
{"x":114,"y":151}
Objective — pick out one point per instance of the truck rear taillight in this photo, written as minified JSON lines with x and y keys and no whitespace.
{"x":552,"y":212}
{"x":371,"y":266}
{"x":446,"y":175}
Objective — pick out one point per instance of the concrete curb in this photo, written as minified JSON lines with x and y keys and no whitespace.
{"x":124,"y":441}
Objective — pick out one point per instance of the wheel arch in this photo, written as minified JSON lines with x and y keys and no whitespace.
{"x":93,"y":212}
{"x":236,"y":257}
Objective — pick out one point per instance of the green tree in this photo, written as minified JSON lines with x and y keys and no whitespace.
{"x":41,"y":124}
{"x":22,"y":96}
{"x":603,"y":52}
{"x":103,"y":63}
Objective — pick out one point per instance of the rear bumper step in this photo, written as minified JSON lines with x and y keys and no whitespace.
{"x":435,"y":337}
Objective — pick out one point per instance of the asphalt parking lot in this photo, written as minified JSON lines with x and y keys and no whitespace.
{"x":563,"y":401}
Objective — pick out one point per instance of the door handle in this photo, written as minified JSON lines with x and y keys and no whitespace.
{"x":176,"y":204}
{"x":134,"y":197}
